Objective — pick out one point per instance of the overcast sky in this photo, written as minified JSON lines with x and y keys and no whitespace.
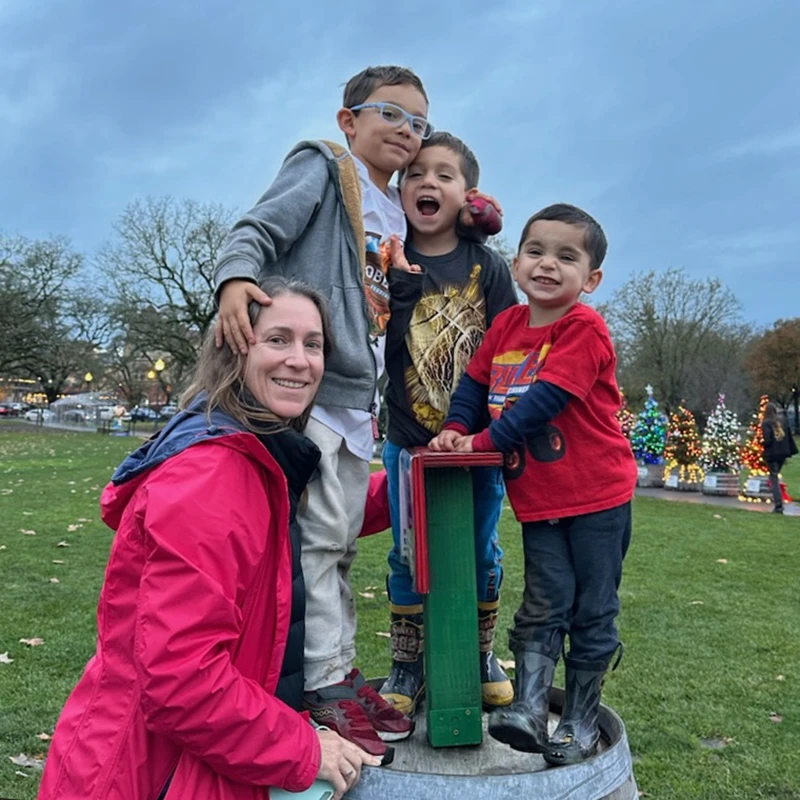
{"x":677,"y":124}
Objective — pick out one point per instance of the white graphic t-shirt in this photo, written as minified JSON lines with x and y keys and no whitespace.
{"x":383,"y":217}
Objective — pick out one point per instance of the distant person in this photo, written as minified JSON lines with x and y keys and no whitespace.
{"x":196,"y":686}
{"x":545,"y":372}
{"x":778,"y":446}
{"x":439,"y":318}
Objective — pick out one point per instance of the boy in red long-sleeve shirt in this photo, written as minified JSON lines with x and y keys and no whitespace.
{"x":546,"y":372}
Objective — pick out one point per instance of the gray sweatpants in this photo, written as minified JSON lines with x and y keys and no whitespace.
{"x":330,"y":522}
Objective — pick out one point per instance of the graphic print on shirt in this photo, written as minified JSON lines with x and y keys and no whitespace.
{"x":376,"y":283}
{"x":513,"y":373}
{"x":446,"y":328}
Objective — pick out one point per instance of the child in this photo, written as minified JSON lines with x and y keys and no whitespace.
{"x":438,"y":320}
{"x":546,"y":372}
{"x":327,"y":219}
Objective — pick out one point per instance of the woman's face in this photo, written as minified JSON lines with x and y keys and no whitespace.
{"x":285,"y":365}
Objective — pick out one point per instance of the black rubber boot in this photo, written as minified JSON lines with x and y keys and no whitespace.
{"x":575,"y":739}
{"x":496,"y":688}
{"x":405,"y":686}
{"x":523,"y":724}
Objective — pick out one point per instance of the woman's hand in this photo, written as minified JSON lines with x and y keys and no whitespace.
{"x":342,"y":761}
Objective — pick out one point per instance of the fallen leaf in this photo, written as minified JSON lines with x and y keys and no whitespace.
{"x":45,"y":737}
{"x":22,"y":774}
{"x":27,"y":532}
{"x":386,"y":593}
{"x":63,"y":543}
{"x":54,"y":580}
{"x":367,"y":595}
{"x":505,"y":664}
{"x":28,"y":761}
{"x":57,"y":561}
{"x":6,"y":491}
{"x":780,"y":678}
{"x":83,"y":519}
{"x":2,"y":547}
{"x":4,"y":659}
{"x":72,"y":528}
{"x":35,"y":642}
{"x":722,"y":561}
{"x":696,"y":603}
{"x":776,"y":718}
{"x":717,"y":516}
{"x":385,"y":634}
{"x":27,"y":513}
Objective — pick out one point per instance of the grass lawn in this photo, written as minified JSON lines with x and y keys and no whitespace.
{"x":710,"y":620}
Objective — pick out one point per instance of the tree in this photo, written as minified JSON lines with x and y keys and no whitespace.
{"x":161,"y":264}
{"x":773,"y":363}
{"x":753,"y":449}
{"x":626,"y":417}
{"x":682,"y":449}
{"x":670,"y":325}
{"x":721,"y":444}
{"x":649,"y":432}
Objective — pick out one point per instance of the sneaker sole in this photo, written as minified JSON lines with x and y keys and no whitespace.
{"x":395,"y":736}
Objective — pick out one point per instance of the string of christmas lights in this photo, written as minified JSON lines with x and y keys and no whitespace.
{"x":649,"y":433}
{"x":626,"y":417}
{"x":721,"y":443}
{"x":682,"y":450}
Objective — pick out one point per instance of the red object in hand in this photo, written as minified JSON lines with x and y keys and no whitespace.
{"x":485,"y":216}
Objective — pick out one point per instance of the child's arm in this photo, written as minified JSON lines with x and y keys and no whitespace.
{"x":261,"y":237}
{"x":541,"y":403}
{"x":466,"y":405}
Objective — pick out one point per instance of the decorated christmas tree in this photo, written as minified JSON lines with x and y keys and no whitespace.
{"x":721,"y":443}
{"x":649,"y":433}
{"x":626,"y":417}
{"x":753,"y":449}
{"x":682,"y":450}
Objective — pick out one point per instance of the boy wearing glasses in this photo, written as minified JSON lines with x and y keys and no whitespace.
{"x":438,"y":319}
{"x":328,"y":219}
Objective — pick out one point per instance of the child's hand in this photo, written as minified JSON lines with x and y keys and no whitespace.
{"x":233,"y":325}
{"x":398,"y":256}
{"x":464,"y":444}
{"x":445,"y":442}
{"x":483,"y":212}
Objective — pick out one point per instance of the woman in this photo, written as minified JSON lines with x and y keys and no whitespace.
{"x":778,"y":446}
{"x":197,"y":674}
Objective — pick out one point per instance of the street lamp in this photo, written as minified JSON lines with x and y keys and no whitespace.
{"x":88,"y":377}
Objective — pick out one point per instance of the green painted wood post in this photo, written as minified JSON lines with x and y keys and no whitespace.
{"x":452,"y":669}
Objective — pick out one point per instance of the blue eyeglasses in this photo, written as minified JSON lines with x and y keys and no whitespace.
{"x":397,"y":116}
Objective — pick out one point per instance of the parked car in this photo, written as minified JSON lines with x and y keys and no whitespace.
{"x":168,"y":411}
{"x":6,"y":411}
{"x":39,"y":414}
{"x":142,"y":414}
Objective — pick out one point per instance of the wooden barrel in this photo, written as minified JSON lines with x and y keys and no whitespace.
{"x":493,"y":771}
{"x":723,"y":484}
{"x":650,"y":476}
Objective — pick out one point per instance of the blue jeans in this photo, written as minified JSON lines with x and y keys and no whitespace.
{"x":573,"y":567}
{"x":488,"y":492}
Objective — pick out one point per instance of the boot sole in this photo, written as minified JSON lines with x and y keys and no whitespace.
{"x":515,"y":738}
{"x":568,"y":757}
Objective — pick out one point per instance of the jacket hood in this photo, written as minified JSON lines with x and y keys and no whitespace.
{"x":186,"y":429}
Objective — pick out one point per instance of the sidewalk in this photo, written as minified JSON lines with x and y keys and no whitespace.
{"x":789,"y":509}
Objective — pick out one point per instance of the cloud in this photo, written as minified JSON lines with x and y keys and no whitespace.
{"x":767,"y":145}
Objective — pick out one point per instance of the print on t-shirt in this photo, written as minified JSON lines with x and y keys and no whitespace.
{"x":446,"y":328}
{"x":513,"y":373}
{"x":376,"y":283}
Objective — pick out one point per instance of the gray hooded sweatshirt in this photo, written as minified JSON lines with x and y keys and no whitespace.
{"x":308,"y":225}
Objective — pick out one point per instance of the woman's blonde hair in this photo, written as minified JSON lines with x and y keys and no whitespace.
{"x":220,"y":371}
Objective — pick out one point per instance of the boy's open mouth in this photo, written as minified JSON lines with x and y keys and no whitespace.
{"x":427,"y":206}
{"x":545,"y":280}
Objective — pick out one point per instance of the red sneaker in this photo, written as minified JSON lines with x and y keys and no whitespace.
{"x":389,"y":723}
{"x":337,"y":707}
